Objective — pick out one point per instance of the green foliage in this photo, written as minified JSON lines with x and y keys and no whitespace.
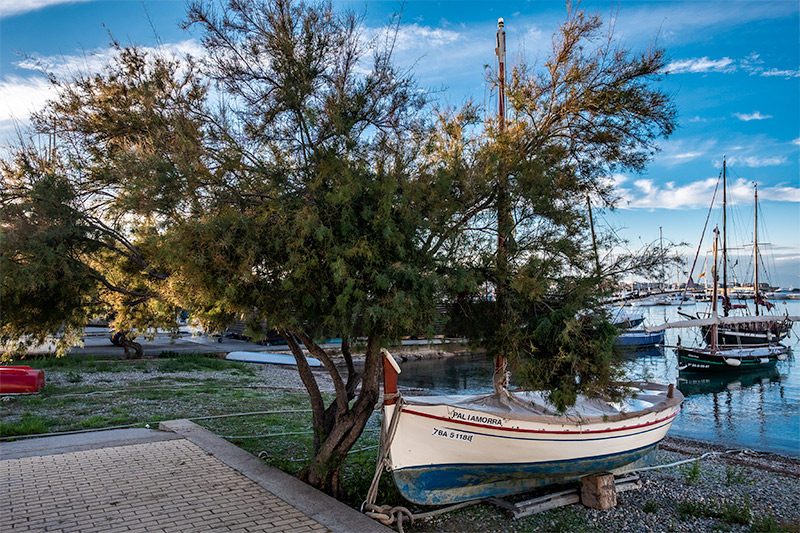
{"x":651,"y":506}
{"x":731,"y":512}
{"x":691,"y":474}
{"x":735,"y":475}
{"x":28,"y":424}
{"x":769,"y":524}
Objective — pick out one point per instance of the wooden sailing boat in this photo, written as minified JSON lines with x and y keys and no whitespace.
{"x":449,"y":449}
{"x":770,"y":330}
{"x":717,"y":357}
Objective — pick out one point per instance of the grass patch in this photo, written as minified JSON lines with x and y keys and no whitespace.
{"x":734,"y":512}
{"x":735,"y":475}
{"x":566,"y":519}
{"x":28,"y":424}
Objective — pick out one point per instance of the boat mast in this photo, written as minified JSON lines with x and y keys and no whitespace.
{"x":714,"y":294}
{"x":504,"y":224}
{"x":755,"y":248}
{"x":661,"y":245}
{"x":725,"y":303}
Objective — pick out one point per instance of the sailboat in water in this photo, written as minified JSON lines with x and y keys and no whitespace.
{"x":763,"y":329}
{"x":717,"y":357}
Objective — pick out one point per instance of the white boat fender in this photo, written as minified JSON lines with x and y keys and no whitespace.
{"x":733,"y":362}
{"x":782,"y":357}
{"x":764,"y":360}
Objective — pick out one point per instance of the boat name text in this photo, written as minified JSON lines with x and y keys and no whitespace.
{"x":480,"y":419}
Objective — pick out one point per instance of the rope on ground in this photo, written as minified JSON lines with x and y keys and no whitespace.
{"x":388,"y":515}
{"x":694,"y":459}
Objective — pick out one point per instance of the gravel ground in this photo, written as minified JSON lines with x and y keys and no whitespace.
{"x":726,"y":491}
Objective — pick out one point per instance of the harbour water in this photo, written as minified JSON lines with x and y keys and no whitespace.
{"x":754,"y":410}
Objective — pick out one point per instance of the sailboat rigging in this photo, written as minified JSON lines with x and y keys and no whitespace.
{"x":746,"y":332}
{"x":717,"y":357}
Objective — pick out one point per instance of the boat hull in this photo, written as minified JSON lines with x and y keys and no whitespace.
{"x":639,"y":339}
{"x":737,"y":336}
{"x":737,"y":360}
{"x":447,"y":484}
{"x":444,"y":454}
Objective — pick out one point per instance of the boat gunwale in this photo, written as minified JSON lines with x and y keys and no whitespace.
{"x":663,"y":403}
{"x":550,"y":419}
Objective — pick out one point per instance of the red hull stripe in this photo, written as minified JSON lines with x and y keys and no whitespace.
{"x":539,"y":431}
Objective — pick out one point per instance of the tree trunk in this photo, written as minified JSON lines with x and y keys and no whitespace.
{"x":338,"y":428}
{"x":128,"y":344}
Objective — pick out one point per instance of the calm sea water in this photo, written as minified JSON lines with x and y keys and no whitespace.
{"x":754,"y":410}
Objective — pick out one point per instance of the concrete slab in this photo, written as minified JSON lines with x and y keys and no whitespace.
{"x":143,"y":480}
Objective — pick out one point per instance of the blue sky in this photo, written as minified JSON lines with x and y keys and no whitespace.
{"x":734,"y":73}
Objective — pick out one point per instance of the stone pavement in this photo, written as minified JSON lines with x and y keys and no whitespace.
{"x":144,"y":480}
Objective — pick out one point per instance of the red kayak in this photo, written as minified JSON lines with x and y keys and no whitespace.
{"x":15,"y":379}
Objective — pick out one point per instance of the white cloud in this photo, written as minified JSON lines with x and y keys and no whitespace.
{"x":646,"y":194}
{"x":752,"y":64}
{"x":747,"y":117}
{"x":796,"y":142}
{"x":20,"y":95}
{"x":701,"y":65}
{"x":780,"y":73}
{"x":16,"y":7}
{"x":753,"y":161}
{"x":677,"y":152}
{"x":416,"y":37}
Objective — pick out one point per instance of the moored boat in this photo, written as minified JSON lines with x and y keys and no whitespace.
{"x":783,"y":294}
{"x":732,"y":359}
{"x":716,"y":357}
{"x":450,"y":449}
{"x":639,"y":338}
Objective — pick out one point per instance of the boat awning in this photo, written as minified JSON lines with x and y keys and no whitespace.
{"x":721,"y":321}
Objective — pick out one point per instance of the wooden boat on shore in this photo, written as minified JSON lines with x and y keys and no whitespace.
{"x":450,"y":449}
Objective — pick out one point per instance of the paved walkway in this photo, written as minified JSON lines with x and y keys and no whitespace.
{"x":144,"y":480}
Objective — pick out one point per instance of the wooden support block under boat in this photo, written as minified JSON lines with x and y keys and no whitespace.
{"x":598,"y":491}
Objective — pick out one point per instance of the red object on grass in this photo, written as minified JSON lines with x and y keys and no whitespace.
{"x":14,"y":379}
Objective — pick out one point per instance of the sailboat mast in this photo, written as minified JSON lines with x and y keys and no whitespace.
{"x":505,"y":225}
{"x":715,"y":275}
{"x":724,"y":241}
{"x":755,"y":248}
{"x":661,"y":245}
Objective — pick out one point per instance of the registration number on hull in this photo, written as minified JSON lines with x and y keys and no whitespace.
{"x":451,"y":434}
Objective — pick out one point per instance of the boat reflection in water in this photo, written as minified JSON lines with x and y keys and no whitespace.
{"x":645,"y":352}
{"x":693,"y":384}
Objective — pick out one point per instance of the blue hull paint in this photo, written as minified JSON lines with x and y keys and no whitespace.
{"x":447,"y":484}
{"x":639,"y":340}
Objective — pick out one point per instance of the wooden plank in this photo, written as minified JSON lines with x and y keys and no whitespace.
{"x":560,"y":499}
